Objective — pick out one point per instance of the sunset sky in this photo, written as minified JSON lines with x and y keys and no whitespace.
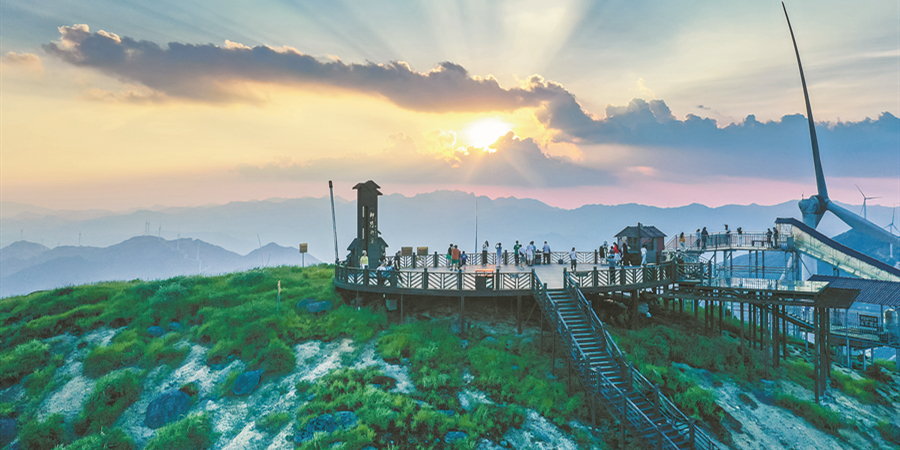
{"x":120,"y":104}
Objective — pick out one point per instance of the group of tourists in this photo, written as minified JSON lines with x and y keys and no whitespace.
{"x":456,"y":259}
{"x":526,"y":254}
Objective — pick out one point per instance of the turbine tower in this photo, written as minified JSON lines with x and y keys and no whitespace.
{"x":863,"y":210}
{"x":814,"y":207}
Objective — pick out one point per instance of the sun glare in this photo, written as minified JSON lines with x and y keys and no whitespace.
{"x":484,"y":132}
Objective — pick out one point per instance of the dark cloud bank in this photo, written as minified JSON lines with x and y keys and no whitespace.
{"x":694,"y":146}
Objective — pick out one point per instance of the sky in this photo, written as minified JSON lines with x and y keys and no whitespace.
{"x":127,"y":104}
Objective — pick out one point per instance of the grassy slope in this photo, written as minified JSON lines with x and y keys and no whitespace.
{"x":237,"y":316}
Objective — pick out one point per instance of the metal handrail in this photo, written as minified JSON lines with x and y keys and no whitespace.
{"x":433,"y":280}
{"x":598,"y":383}
{"x":666,"y":407}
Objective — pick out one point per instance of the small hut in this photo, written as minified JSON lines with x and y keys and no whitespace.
{"x":640,"y":236}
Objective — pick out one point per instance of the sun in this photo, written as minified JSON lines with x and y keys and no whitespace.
{"x":484,"y":132}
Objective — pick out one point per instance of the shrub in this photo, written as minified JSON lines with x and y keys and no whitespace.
{"x":890,"y":432}
{"x":114,"y":439}
{"x":23,"y":360}
{"x":273,"y":422}
{"x":111,"y":396}
{"x":194,"y":432}
{"x":102,"y":360}
{"x":277,"y":358}
{"x":164,"y":350}
{"x":46,"y":435}
{"x":890,"y":366}
{"x":819,"y":416}
{"x":863,"y":389}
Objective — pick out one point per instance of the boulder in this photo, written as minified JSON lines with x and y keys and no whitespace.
{"x":174,"y":326}
{"x":302,"y":303}
{"x":156,"y":331}
{"x":7,"y":431}
{"x":166,"y":408}
{"x":490,"y":340}
{"x":318,"y":307}
{"x":326,"y":423}
{"x":346,"y":419}
{"x":453,"y":436}
{"x":246,"y":382}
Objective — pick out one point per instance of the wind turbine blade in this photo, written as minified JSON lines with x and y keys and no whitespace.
{"x":862,"y":225}
{"x":860,"y":190}
{"x":820,"y":176}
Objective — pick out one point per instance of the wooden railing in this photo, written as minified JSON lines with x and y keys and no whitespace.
{"x":436,"y":259}
{"x":434,"y":280}
{"x":670,"y":413}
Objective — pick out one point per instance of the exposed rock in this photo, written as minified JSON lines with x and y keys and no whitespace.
{"x":346,"y":419}
{"x":166,"y":408}
{"x":7,"y":431}
{"x":453,"y":436}
{"x":246,"y":382}
{"x":447,"y":412}
{"x":174,"y":326}
{"x":490,"y":340}
{"x":312,"y":306}
{"x":156,"y":331}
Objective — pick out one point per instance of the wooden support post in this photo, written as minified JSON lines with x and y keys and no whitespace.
{"x":816,"y":363}
{"x":775,"y":344}
{"x":784,"y":333}
{"x":402,"y":317}
{"x":764,"y":327}
{"x":752,"y":327}
{"x":462,"y":316}
{"x":519,"y":314}
{"x":696,"y":308}
{"x":742,"y":329}
{"x":721,"y":316}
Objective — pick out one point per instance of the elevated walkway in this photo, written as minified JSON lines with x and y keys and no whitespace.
{"x":806,"y":240}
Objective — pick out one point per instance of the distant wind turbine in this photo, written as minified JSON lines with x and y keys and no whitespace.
{"x":864,"y":200}
{"x":814,"y":207}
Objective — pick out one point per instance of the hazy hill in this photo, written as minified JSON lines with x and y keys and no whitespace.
{"x":27,"y":267}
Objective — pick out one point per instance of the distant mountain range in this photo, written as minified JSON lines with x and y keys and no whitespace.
{"x":26,"y":266}
{"x":434,"y":220}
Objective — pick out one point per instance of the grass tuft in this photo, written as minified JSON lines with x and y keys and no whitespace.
{"x":819,"y":416}
{"x":111,"y":396}
{"x":194,"y":432}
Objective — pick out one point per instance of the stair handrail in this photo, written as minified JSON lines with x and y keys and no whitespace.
{"x":667,"y":409}
{"x":638,"y":420}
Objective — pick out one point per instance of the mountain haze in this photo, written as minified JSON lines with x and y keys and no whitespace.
{"x":26,"y":267}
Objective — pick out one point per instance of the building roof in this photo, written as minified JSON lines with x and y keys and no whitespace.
{"x":873,"y":292}
{"x":647,"y":231}
{"x":368,"y":185}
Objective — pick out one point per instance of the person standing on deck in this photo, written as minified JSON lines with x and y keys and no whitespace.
{"x":484,"y":253}
{"x":681,"y":240}
{"x":462,"y":259}
{"x":364,"y":261}
{"x":704,"y":236}
{"x":699,"y":235}
{"x":455,"y":257}
{"x":546,"y":253}
{"x":573,"y":258}
{"x":644,"y":255}
{"x":450,"y":256}
{"x":775,"y":237}
{"x":602,"y":253}
{"x":529,"y":253}
{"x":516,"y":252}
{"x":768,"y":237}
{"x":499,"y":248}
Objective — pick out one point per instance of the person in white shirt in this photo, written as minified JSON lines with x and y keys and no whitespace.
{"x":529,"y":253}
{"x":644,"y":255}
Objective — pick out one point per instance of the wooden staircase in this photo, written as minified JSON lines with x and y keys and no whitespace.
{"x":609,"y":380}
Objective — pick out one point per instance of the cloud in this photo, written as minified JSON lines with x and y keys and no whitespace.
{"x":514,"y":162}
{"x":677,"y":148}
{"x":209,"y":72}
{"x":697,"y":146}
{"x":26,"y":61}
